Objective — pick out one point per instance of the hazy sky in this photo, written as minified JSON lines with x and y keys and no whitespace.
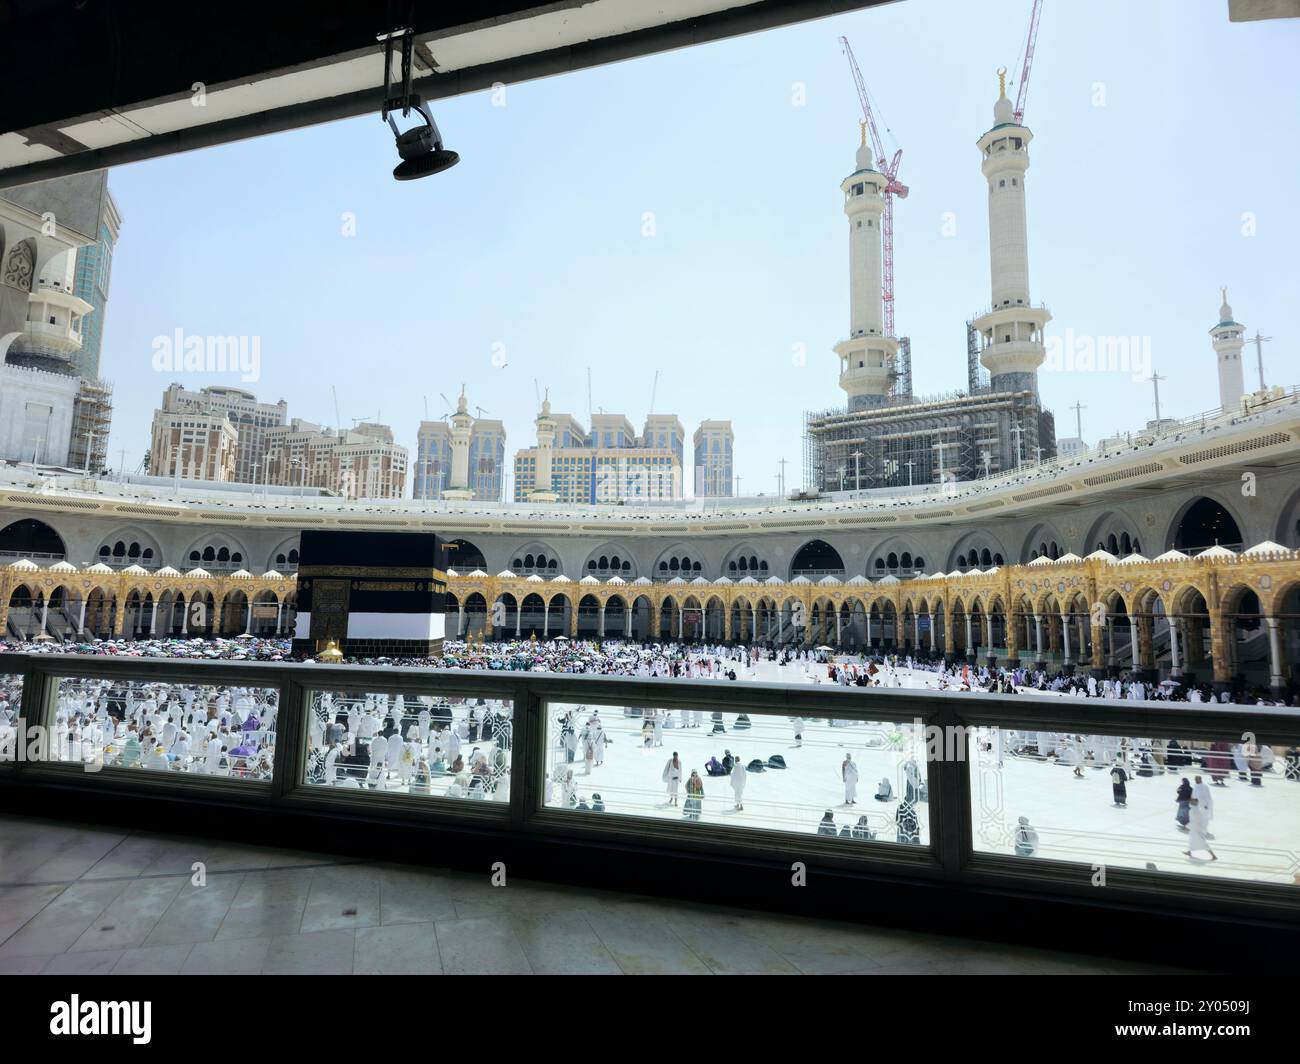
{"x":1164,"y":165}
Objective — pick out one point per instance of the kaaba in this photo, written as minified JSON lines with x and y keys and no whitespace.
{"x":376,"y":594}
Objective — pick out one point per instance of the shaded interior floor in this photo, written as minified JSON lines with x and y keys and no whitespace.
{"x":96,"y":900}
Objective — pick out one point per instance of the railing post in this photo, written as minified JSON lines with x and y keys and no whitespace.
{"x":290,"y":738}
{"x":527,"y":754}
{"x":949,"y":776}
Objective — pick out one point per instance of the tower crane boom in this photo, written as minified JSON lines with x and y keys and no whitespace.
{"x":893,"y":187}
{"x":1031,"y":38}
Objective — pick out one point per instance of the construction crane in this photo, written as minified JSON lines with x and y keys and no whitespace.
{"x":892,"y":187}
{"x":1031,"y":38}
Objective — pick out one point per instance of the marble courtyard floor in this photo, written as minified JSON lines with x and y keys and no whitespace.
{"x":95,"y":900}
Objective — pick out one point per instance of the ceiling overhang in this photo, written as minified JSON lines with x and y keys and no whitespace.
{"x":112,"y":83}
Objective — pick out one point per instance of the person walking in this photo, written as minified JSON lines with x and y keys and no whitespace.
{"x":1202,"y":803}
{"x":738,"y":781}
{"x":849,"y":774}
{"x":694,"y":797}
{"x":672,"y":777}
{"x":1184,"y":800}
{"x":1118,"y":781}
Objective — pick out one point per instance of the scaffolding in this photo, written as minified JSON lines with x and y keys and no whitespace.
{"x":900,"y":444}
{"x":977,"y":378}
{"x":92,"y":418}
{"x":900,"y":385}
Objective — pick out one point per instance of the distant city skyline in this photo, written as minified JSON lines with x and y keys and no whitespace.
{"x":681,"y":214}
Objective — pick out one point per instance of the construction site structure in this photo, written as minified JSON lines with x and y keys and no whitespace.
{"x":964,"y":437}
{"x":92,"y":419}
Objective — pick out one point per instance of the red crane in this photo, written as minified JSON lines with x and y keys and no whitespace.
{"x":1031,"y":38}
{"x":892,"y":187}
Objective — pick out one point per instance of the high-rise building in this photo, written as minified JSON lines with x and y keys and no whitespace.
{"x":484,"y":456}
{"x":192,"y":445}
{"x":91,"y":280}
{"x":609,"y":464}
{"x":251,"y":420}
{"x":714,"y":471}
{"x":360,"y":463}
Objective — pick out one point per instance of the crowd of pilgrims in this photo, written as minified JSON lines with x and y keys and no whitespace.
{"x":379,"y":740}
{"x":226,"y":731}
{"x":415,"y":743}
{"x":695,"y":660}
{"x":581,"y":736}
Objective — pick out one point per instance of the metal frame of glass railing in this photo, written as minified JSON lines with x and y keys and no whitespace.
{"x":950,"y":857}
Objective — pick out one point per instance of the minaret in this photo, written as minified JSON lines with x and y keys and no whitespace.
{"x":545,"y":442}
{"x":461,"y":423}
{"x":867,"y":356}
{"x":1011,"y":330}
{"x":1229,"y":338}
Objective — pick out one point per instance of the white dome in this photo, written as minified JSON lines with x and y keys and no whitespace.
{"x":1217,"y":552}
{"x":1265,"y":548}
{"x":26,"y":565}
{"x":198,"y":572}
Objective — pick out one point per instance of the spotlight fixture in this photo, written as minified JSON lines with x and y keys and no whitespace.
{"x":420,"y":146}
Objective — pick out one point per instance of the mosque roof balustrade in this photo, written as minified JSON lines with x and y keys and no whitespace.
{"x":1268,"y":568}
{"x":1175,"y":447}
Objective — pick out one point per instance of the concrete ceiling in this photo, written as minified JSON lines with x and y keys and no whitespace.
{"x":109,"y":83}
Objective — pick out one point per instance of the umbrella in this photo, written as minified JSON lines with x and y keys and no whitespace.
{"x":823,"y":647}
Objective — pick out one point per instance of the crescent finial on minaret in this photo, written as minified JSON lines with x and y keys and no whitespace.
{"x":1002,"y":83}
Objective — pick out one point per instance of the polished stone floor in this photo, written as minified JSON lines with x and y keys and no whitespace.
{"x":79,"y":899}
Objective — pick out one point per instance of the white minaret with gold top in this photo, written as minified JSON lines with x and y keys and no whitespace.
{"x":545,"y":445}
{"x":1229,"y":339}
{"x":461,"y":425}
{"x":1011,"y":330}
{"x":867,"y":357}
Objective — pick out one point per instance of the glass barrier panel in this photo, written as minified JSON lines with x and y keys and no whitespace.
{"x":13,"y":745}
{"x":200,"y":729}
{"x":424,"y":745}
{"x":1223,"y":809}
{"x":863,"y":782}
